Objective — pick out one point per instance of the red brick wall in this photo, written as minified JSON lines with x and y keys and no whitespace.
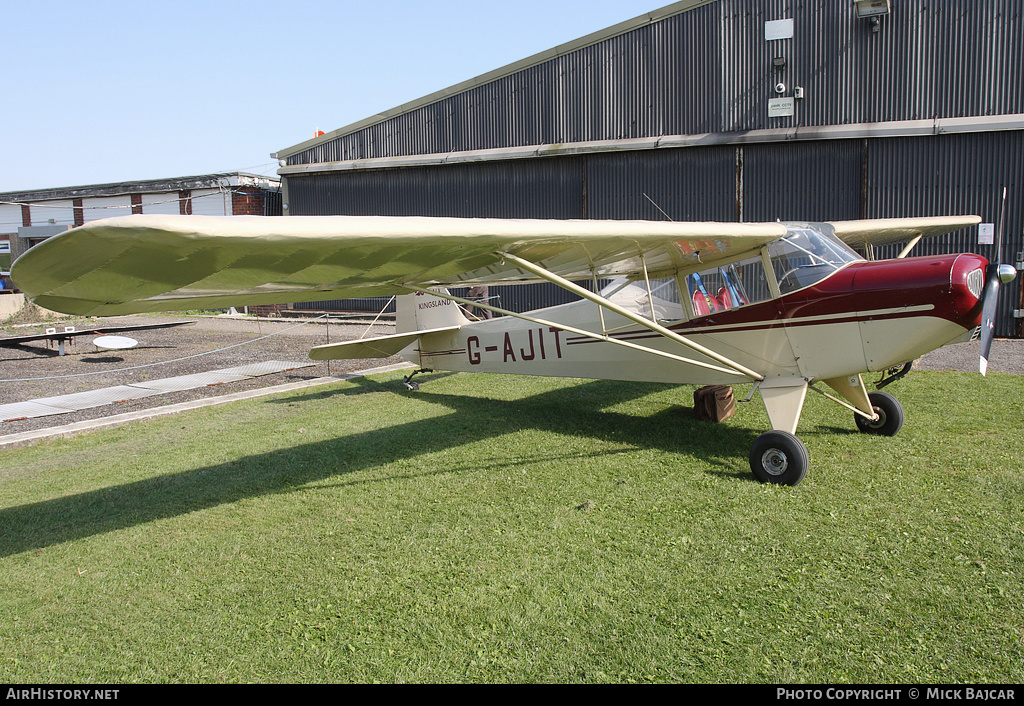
{"x":185,"y":202}
{"x":79,"y":212}
{"x":136,"y":203}
{"x":26,"y":215}
{"x":267,"y":309}
{"x":247,"y":201}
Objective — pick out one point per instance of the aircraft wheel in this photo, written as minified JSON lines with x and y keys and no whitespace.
{"x":890,"y":415}
{"x":779,"y":457}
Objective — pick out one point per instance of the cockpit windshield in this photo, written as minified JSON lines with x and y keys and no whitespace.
{"x":807,"y":256}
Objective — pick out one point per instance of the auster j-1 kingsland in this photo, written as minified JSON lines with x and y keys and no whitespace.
{"x":784,"y":306}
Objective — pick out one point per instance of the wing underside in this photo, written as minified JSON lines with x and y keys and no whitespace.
{"x":161,"y":263}
{"x":883,"y":231}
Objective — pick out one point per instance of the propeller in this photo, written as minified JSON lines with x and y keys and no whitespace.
{"x":995,"y":274}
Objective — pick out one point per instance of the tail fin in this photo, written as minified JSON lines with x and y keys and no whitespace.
{"x":415,"y":312}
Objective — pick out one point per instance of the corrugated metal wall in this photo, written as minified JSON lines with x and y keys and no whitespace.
{"x":547,"y":188}
{"x":676,"y":184}
{"x":633,"y":85}
{"x":803,"y":181}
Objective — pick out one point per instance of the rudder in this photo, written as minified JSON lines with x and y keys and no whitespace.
{"x":415,"y":312}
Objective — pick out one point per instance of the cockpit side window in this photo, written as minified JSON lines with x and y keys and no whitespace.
{"x":733,"y":285}
{"x":660,"y":302}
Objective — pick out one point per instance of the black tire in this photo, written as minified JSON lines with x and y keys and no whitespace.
{"x":890,"y":415}
{"x":779,"y":457}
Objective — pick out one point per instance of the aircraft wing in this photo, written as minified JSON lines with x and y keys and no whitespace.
{"x":146,"y":263}
{"x":882,"y":231}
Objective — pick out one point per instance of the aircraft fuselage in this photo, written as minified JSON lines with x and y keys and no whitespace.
{"x":867,"y":316}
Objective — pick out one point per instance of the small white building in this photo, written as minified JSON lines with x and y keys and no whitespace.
{"x":28,"y":217}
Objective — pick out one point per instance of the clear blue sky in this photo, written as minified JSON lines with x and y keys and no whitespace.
{"x":108,"y":91}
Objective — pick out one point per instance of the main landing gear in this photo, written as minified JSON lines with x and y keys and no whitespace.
{"x":890,"y":415}
{"x":780,"y":457}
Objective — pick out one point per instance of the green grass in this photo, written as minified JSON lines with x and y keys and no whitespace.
{"x":513,"y":529}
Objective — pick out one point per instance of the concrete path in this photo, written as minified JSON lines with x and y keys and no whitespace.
{"x":67,"y":430}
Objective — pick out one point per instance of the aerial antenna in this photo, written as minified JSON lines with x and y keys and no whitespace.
{"x":659,"y":208}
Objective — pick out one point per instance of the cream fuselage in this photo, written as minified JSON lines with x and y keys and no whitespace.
{"x":868,"y":316}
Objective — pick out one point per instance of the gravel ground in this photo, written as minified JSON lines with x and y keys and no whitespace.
{"x":1007,"y":356}
{"x":175,"y":351}
{"x":32,"y":371}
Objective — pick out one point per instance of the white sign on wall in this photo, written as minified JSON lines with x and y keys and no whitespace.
{"x":778,"y":29}
{"x":986,"y":233}
{"x":781,"y":107}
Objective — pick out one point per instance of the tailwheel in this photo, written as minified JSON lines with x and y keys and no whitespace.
{"x":890,"y":415}
{"x":779,"y":457}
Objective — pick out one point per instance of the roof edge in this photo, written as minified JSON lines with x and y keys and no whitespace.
{"x":148,"y":185}
{"x":901,"y":128}
{"x":499,"y":73}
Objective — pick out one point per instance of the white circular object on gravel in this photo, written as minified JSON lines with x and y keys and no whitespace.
{"x":115,"y":343}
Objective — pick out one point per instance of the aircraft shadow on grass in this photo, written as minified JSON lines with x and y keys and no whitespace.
{"x":577,"y":411}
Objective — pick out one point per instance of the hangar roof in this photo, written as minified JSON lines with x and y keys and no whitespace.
{"x":515,"y":67}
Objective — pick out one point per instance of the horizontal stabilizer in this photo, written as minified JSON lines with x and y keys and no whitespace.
{"x":377,"y":347}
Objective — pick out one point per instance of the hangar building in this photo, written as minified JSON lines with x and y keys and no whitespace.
{"x":726,"y":110}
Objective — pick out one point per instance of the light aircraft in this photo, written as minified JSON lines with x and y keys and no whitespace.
{"x":784,"y":306}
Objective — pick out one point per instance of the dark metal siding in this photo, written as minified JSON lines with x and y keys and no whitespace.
{"x":747,"y":79}
{"x":637,"y":84}
{"x":805,"y":181}
{"x":371,"y":305}
{"x":654,"y":185}
{"x":546,"y":188}
{"x":272,"y":203}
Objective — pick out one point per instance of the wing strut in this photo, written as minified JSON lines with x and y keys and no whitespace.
{"x":734,"y":367}
{"x":579,"y":332}
{"x":910,"y":246}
